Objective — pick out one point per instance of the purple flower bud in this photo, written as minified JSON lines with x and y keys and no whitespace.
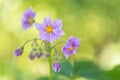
{"x":18,"y":52}
{"x":56,"y":67}
{"x":31,"y":57}
{"x":38,"y":55}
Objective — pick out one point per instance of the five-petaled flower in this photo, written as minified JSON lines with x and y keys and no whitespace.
{"x":56,"y":66}
{"x":70,"y":47}
{"x":28,"y":18}
{"x":50,"y":31}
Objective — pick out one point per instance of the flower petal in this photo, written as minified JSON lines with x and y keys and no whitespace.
{"x":57,"y":24}
{"x":74,"y":41}
{"x":53,"y":37}
{"x":48,"y":21}
{"x":58,"y":32}
{"x":40,"y":27}
{"x":29,"y":13}
{"x":26,"y":25}
{"x":44,"y":36}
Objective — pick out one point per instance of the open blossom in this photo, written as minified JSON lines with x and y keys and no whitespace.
{"x":28,"y":18}
{"x":50,"y":31}
{"x":68,"y":50}
{"x":70,"y":47}
{"x":56,"y":67}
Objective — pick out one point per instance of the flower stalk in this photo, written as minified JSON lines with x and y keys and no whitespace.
{"x":57,"y":44}
{"x":48,"y":49}
{"x":50,"y":66}
{"x":30,"y":41}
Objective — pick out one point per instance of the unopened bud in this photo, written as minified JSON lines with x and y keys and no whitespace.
{"x":18,"y":52}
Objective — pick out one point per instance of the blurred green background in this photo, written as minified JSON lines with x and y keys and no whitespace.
{"x":96,"y":22}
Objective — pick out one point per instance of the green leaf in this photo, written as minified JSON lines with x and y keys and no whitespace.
{"x":43,"y":78}
{"x":113,"y":74}
{"x":86,"y":69}
{"x":56,"y":77}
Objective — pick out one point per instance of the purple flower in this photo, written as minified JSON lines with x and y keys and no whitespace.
{"x":50,"y":31}
{"x":31,"y":56}
{"x":38,"y":55}
{"x":28,"y":18}
{"x":18,"y":52}
{"x":68,"y":50}
{"x":56,"y":67}
{"x":70,"y":47}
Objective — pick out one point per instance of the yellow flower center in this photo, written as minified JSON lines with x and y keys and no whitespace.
{"x":31,"y":20}
{"x":49,"y":29}
{"x":71,"y":49}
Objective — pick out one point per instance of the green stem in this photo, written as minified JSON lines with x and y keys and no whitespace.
{"x":58,"y":43}
{"x":30,"y":40}
{"x":50,"y":65}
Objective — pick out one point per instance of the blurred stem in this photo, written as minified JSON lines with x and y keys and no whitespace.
{"x":71,"y":76}
{"x":58,"y":43}
{"x":50,"y":65}
{"x":30,"y":40}
{"x":72,"y":63}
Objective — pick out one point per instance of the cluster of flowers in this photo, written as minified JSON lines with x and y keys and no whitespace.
{"x":49,"y":32}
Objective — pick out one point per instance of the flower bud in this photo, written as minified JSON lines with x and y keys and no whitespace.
{"x":56,"y":66}
{"x":18,"y":52}
{"x":38,"y":55}
{"x":31,"y":57}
